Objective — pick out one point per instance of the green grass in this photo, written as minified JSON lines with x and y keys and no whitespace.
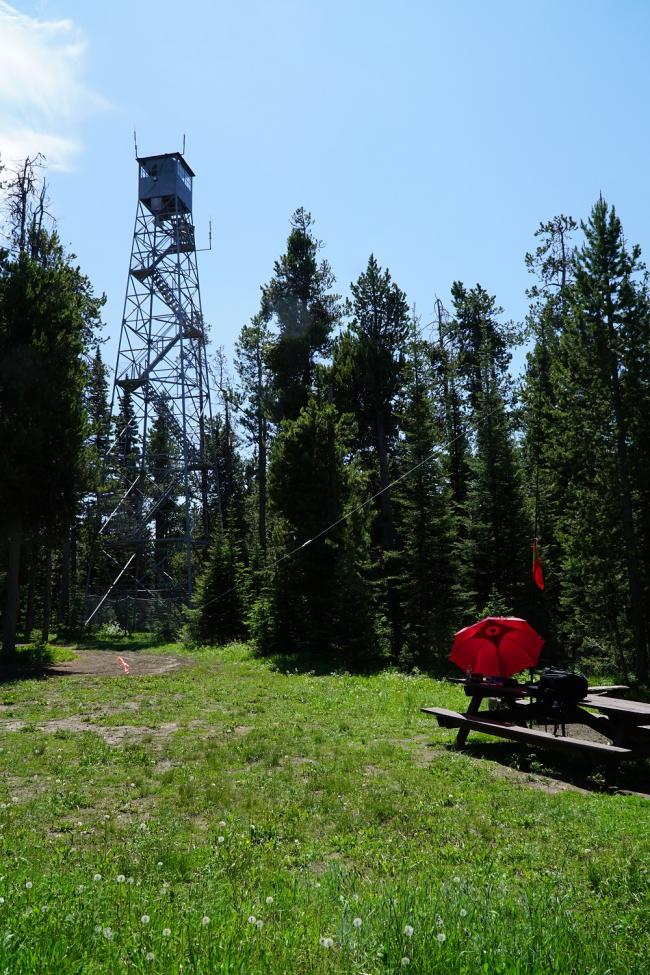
{"x":229,"y":790}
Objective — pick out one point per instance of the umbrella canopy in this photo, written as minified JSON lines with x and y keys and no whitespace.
{"x":498,"y":646}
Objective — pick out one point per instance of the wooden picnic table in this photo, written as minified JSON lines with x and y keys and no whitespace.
{"x":626,"y":724}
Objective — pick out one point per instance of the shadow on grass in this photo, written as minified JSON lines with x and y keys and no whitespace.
{"x":305,"y":663}
{"x":126,"y":644}
{"x":633,"y":776}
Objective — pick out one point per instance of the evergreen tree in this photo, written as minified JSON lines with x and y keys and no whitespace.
{"x":250,"y":359}
{"x":46,"y":310}
{"x":603,"y":365}
{"x":552,"y":265}
{"x":497,"y":529}
{"x":368,"y":372}
{"x":299,"y":301}
{"x":316,"y":600}
{"x":431,"y":599}
{"x":164,"y":487}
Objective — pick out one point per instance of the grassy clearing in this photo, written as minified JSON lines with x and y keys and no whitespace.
{"x":233,"y":818}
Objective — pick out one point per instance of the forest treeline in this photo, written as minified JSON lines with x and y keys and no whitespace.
{"x":378,"y":480}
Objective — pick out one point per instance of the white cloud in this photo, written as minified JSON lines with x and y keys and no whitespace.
{"x":43,"y":94}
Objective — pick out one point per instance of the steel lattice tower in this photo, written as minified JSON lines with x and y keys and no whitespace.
{"x":162,"y":368}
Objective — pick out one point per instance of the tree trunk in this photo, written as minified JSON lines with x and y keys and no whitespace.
{"x":47,"y":593}
{"x":261,"y":483}
{"x":387,"y":533}
{"x":388,"y":539}
{"x":64,"y":588}
{"x":13,"y":587}
{"x":31,"y":589}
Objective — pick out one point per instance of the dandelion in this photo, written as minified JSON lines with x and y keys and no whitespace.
{"x":222,"y":822}
{"x":145,"y":919}
{"x":160,"y":863}
{"x":2,"y":900}
{"x":405,"y":960}
{"x":98,"y":929}
{"x":252,"y":919}
{"x":269,"y":899}
{"x":259,"y":923}
{"x":408,"y":930}
{"x":120,"y":878}
{"x":355,"y":898}
{"x":166,"y":932}
{"x":456,"y":880}
{"x":220,"y":839}
{"x":463,"y":912}
{"x":81,"y":888}
{"x":149,"y":956}
{"x":108,"y":934}
{"x":97,"y":877}
{"x":327,"y":942}
{"x":441,"y":937}
{"x":28,"y":884}
{"x":129,"y":880}
{"x":205,"y":921}
{"x":357,"y":922}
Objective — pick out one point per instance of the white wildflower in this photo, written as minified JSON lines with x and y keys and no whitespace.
{"x":166,"y":932}
{"x":441,"y":937}
{"x":259,"y":923}
{"x":97,"y":876}
{"x":408,"y":930}
{"x":205,"y":921}
{"x":120,"y":878}
{"x":357,"y":922}
{"x":405,"y":960}
{"x":149,"y":956}
{"x":28,"y":884}
{"x":463,"y":912}
{"x":327,"y":942}
{"x":269,"y":899}
{"x":220,"y":839}
{"x":108,"y":934}
{"x":145,"y":919}
{"x":252,"y":919}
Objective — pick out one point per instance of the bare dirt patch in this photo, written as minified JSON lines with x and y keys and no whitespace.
{"x":105,"y":663}
{"x":113,"y":735}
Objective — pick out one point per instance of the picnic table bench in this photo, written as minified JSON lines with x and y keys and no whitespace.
{"x":626,"y":724}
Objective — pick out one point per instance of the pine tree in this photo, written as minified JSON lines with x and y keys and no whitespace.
{"x":298,"y":299}
{"x":497,"y":529}
{"x":46,"y":310}
{"x":367,"y":373}
{"x":431,"y":599}
{"x":250,"y":359}
{"x":316,"y":600}
{"x":604,"y":362}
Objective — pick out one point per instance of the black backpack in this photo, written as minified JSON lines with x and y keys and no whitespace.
{"x":560,"y":690}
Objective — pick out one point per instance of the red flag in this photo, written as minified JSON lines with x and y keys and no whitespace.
{"x":538,"y":572}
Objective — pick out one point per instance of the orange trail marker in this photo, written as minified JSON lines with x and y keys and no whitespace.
{"x":124,"y":664}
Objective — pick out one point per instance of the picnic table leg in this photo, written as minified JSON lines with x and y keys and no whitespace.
{"x":463,"y":733}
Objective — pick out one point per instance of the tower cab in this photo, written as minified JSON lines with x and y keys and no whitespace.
{"x":165,"y":184}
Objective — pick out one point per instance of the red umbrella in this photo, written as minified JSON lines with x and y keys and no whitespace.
{"x":498,"y":646}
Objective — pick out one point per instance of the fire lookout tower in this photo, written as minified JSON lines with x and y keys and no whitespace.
{"x":162,"y":372}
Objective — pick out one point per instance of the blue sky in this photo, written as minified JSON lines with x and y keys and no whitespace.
{"x":435,"y":134}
